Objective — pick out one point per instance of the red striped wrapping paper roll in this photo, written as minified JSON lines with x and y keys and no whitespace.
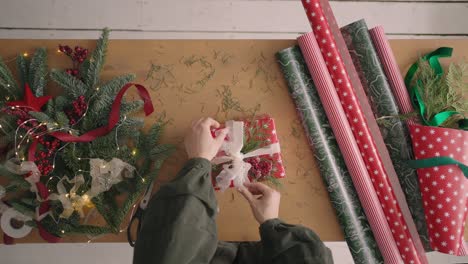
{"x":349,"y":148}
{"x":392,"y":71}
{"x":361,"y":132}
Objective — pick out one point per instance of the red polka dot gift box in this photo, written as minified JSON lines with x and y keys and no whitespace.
{"x":250,"y":152}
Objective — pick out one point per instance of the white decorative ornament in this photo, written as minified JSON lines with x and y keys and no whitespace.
{"x":7,"y":220}
{"x":105,"y":174}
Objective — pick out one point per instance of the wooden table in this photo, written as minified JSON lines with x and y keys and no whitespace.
{"x":225,"y":79}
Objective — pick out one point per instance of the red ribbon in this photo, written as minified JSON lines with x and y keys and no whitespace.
{"x":114,"y":116}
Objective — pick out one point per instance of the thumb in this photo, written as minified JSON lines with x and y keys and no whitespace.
{"x":247,"y":194}
{"x":221,"y":136}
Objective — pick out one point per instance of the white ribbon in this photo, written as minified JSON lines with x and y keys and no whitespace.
{"x":237,"y":171}
{"x":70,"y":200}
{"x":105,"y":174}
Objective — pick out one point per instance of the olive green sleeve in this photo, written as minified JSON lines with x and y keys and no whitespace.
{"x":179,"y":223}
{"x":284,"y":243}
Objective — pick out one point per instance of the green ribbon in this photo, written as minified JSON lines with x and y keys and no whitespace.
{"x":437,"y":161}
{"x":416,"y":99}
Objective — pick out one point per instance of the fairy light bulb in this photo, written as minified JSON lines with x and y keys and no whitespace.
{"x":25,"y":54}
{"x":134,"y":152}
{"x":143,"y":180}
{"x":63,"y":231}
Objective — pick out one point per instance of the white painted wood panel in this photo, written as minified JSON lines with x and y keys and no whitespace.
{"x":123,"y":34}
{"x":121,"y":253}
{"x":239,"y":17}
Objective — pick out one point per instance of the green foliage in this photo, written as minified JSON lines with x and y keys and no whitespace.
{"x":443,"y":93}
{"x":125,"y":141}
{"x":24,"y":209}
{"x":41,"y":117}
{"x":73,"y":87}
{"x":161,"y":151}
{"x":23,"y":69}
{"x":8,"y":86}
{"x":108,"y":91}
{"x":91,"y":68}
{"x":38,"y":72}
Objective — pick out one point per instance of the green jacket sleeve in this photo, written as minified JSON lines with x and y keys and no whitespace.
{"x":179,"y":224}
{"x":284,"y":243}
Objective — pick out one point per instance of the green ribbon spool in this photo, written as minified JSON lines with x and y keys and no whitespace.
{"x":415,"y":96}
{"x":437,"y":161}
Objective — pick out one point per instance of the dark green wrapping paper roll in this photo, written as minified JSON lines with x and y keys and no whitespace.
{"x":384,"y":106}
{"x":332,"y":167}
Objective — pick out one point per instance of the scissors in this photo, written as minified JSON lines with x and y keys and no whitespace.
{"x":139,"y":214}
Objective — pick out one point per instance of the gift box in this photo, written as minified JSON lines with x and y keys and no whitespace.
{"x":443,"y":187}
{"x":250,"y":152}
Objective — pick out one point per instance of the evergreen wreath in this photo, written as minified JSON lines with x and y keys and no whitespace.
{"x":73,"y":177}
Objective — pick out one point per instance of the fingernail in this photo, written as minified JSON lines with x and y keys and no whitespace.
{"x":239,"y":190}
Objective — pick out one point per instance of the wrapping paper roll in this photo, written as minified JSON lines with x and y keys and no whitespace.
{"x":366,"y":110}
{"x":410,"y":251}
{"x":400,"y":92}
{"x":390,"y":66}
{"x":349,"y":149}
{"x":339,"y":184}
{"x":395,"y":134}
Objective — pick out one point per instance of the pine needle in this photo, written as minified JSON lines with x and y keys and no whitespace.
{"x":444,"y":93}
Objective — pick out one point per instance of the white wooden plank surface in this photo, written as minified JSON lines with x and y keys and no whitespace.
{"x":241,"y":17}
{"x":121,"y":253}
{"x":123,"y":34}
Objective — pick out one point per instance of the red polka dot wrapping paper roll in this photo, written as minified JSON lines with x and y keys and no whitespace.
{"x":363,"y":136}
{"x":444,"y":189}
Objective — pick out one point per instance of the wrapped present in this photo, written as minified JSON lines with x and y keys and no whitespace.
{"x":250,"y":152}
{"x":443,"y":184}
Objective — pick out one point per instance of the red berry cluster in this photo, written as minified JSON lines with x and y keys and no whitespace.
{"x":44,"y":158}
{"x":260,"y":168}
{"x":78,"y":109}
{"x":77,"y":55}
{"x":23,"y":116}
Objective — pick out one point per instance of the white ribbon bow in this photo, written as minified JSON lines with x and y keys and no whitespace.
{"x":70,"y":200}
{"x":237,"y":171}
{"x":106,"y":174}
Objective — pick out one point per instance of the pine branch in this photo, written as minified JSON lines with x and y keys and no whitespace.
{"x":92,"y":68}
{"x":24,"y":209}
{"x":23,"y":69}
{"x":38,"y":72}
{"x":8,"y":83}
{"x":107,"y":92}
{"x":90,"y":230}
{"x":62,"y":119}
{"x":443,"y":93}
{"x":73,"y":87}
{"x":162,"y":151}
{"x":42,"y":117}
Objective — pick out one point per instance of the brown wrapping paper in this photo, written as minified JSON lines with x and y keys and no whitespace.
{"x":224,"y":79}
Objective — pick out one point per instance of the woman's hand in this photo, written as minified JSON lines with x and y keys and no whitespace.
{"x":263,"y":200}
{"x":199,"y":143}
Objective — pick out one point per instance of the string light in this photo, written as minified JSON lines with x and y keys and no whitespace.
{"x":134,"y":152}
{"x":63,"y":231}
{"x":25,"y":54}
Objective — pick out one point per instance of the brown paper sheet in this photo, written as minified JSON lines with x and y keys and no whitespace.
{"x":225,"y":79}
